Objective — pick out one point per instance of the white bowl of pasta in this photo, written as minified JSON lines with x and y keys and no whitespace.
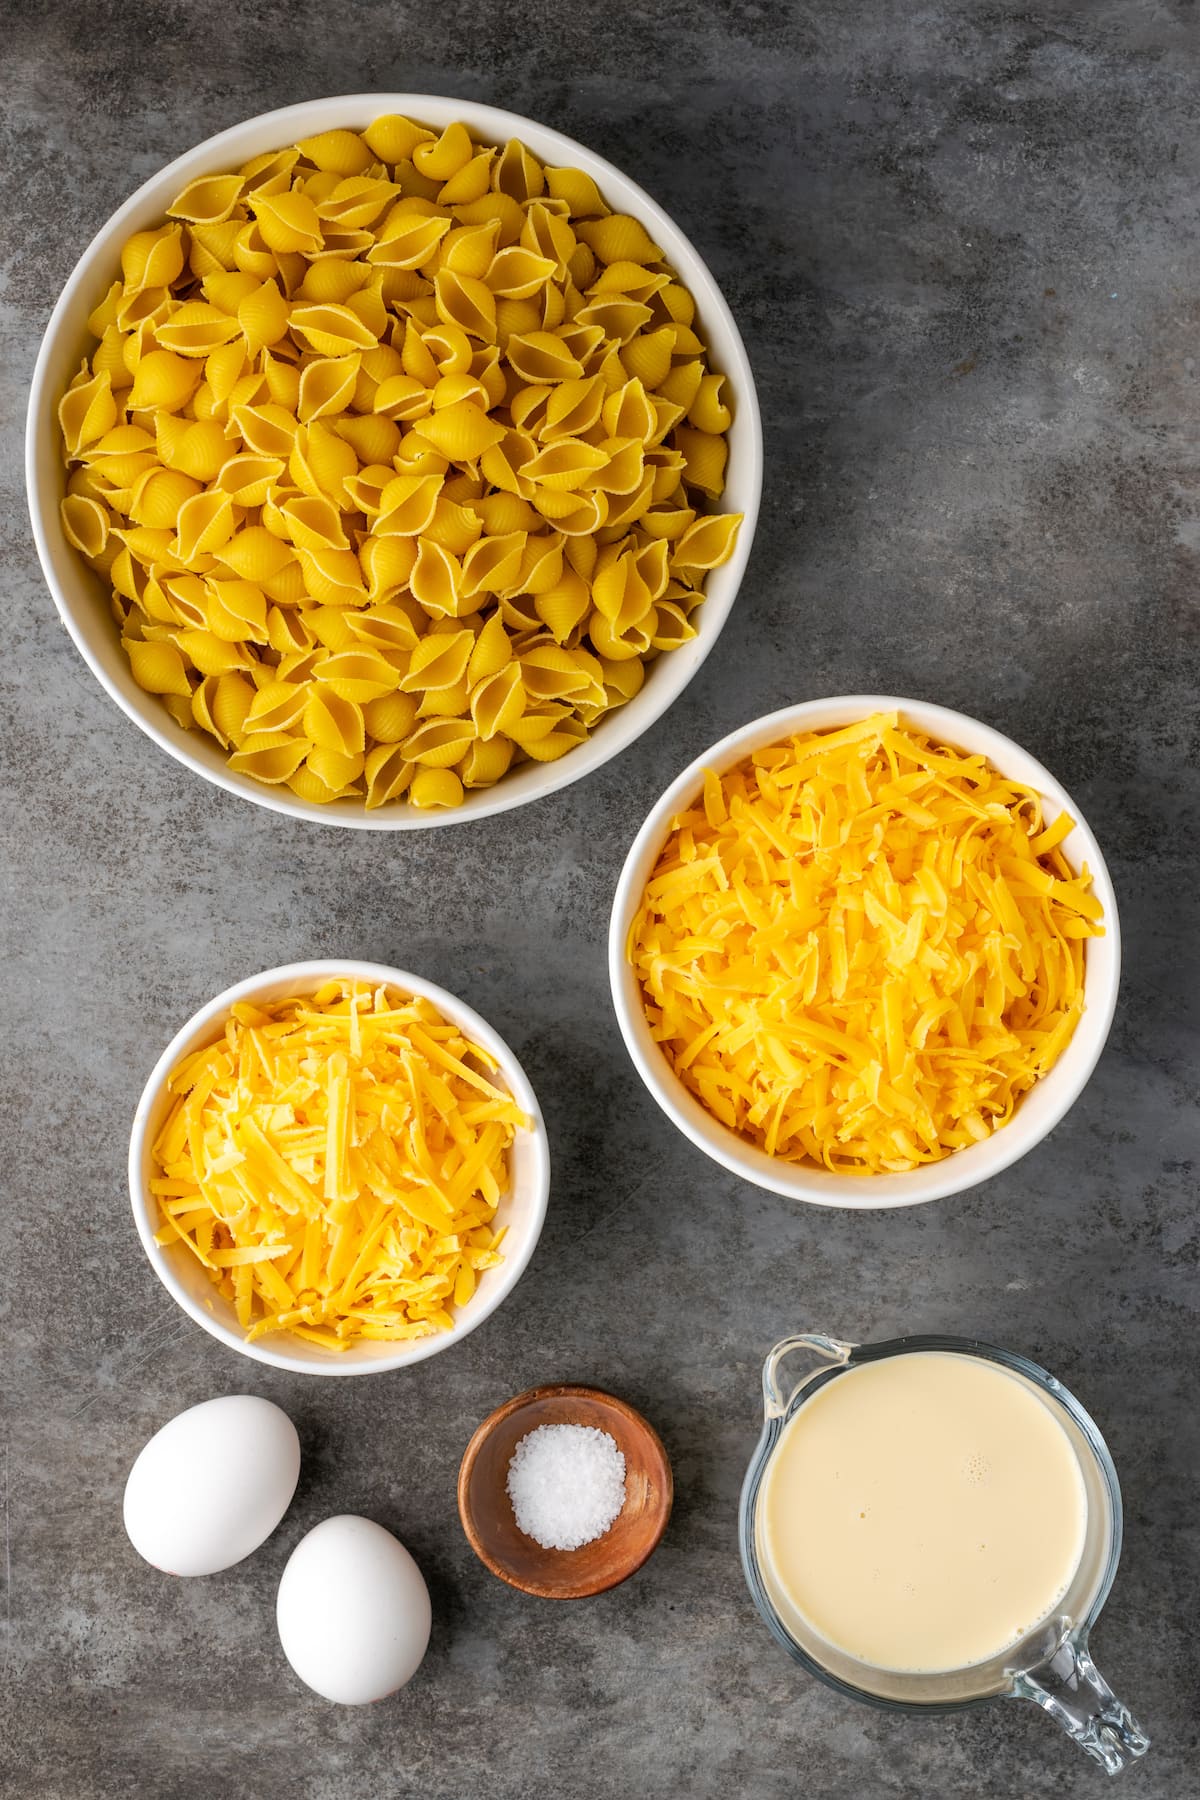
{"x":338,"y":1168}
{"x":385,"y":455}
{"x":811,"y":951}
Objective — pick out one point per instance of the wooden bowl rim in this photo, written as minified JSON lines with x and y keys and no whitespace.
{"x":563,"y":1390}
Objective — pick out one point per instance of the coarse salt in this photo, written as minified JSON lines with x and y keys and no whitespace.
{"x":566,"y":1484}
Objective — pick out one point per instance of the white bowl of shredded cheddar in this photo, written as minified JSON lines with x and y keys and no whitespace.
{"x":392,"y":460}
{"x":864,"y":952}
{"x":338,"y":1168}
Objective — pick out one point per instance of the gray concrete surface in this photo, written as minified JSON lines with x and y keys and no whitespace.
{"x":961,"y":240}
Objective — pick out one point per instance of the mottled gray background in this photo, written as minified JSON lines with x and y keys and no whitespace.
{"x":961,"y":241}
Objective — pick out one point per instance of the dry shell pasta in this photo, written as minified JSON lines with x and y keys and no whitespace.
{"x":400,"y":454}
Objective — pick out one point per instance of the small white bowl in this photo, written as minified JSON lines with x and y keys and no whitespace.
{"x":1040,"y":1109}
{"x":82,"y":599}
{"x":523,"y":1208}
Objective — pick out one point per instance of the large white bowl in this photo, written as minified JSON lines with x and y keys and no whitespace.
{"x":1036,"y":1114}
{"x":522,"y":1209}
{"x":82,"y":599}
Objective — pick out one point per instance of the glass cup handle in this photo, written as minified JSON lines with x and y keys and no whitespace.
{"x":1072,"y":1690}
{"x":825,"y":1349}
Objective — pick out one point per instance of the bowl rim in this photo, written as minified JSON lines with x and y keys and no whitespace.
{"x":934,"y":1181}
{"x":626,"y":723}
{"x":312,"y":973}
{"x":610,"y":1403}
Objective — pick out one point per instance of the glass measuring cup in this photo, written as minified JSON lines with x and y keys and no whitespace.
{"x":1051,"y":1665}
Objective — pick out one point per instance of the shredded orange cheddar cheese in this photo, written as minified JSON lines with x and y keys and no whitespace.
{"x":335,"y":1161}
{"x":859,"y":948}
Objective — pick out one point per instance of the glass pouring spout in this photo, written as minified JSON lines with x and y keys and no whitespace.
{"x":829,"y":1352}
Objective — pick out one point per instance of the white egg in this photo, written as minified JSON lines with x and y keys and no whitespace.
{"x":353,"y":1611}
{"x":212,"y":1485}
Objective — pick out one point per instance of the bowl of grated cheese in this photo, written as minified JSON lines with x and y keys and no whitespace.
{"x":864,"y":952}
{"x":338,"y":1168}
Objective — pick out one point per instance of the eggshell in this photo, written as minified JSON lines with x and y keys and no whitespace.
{"x":353,"y":1611}
{"x":212,"y":1485}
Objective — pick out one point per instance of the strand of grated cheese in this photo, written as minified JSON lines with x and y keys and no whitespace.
{"x":860,"y":948}
{"x":335,"y":1161}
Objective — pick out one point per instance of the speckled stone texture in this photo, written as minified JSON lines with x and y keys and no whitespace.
{"x":961,"y":241}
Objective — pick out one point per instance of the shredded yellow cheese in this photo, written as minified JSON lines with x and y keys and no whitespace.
{"x":859,"y":948}
{"x":335,"y":1161}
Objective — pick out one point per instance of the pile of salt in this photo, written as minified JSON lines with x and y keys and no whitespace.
{"x":566,"y":1484}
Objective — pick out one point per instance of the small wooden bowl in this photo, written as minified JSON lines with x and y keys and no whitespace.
{"x":487,"y":1514}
